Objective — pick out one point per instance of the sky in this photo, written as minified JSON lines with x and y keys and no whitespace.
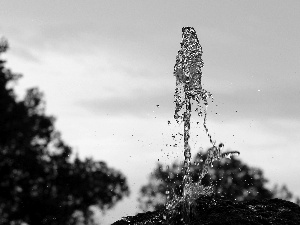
{"x":106,"y":71}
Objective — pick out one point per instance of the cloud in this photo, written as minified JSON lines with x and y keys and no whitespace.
{"x":139,"y":104}
{"x":25,"y":54}
{"x":259,"y":104}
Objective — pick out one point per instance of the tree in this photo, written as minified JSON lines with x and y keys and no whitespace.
{"x":39,"y":182}
{"x":284,"y":193}
{"x":229,"y":178}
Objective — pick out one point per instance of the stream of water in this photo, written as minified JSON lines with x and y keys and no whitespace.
{"x":187,"y":71}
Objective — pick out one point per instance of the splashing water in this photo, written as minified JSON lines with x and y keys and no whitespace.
{"x":187,"y":71}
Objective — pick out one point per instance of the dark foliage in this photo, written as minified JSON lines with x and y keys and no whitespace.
{"x":39,"y":183}
{"x":229,"y":177}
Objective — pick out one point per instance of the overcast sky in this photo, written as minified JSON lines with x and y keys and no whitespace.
{"x":104,"y":66}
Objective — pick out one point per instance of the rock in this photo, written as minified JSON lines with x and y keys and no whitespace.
{"x":214,"y":210}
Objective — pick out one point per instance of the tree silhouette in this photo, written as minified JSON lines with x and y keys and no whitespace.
{"x":284,"y":193}
{"x":39,"y":182}
{"x":229,"y":177}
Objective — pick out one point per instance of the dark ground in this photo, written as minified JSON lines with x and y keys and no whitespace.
{"x":214,"y":210}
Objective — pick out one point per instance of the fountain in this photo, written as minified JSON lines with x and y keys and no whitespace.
{"x":187,"y":71}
